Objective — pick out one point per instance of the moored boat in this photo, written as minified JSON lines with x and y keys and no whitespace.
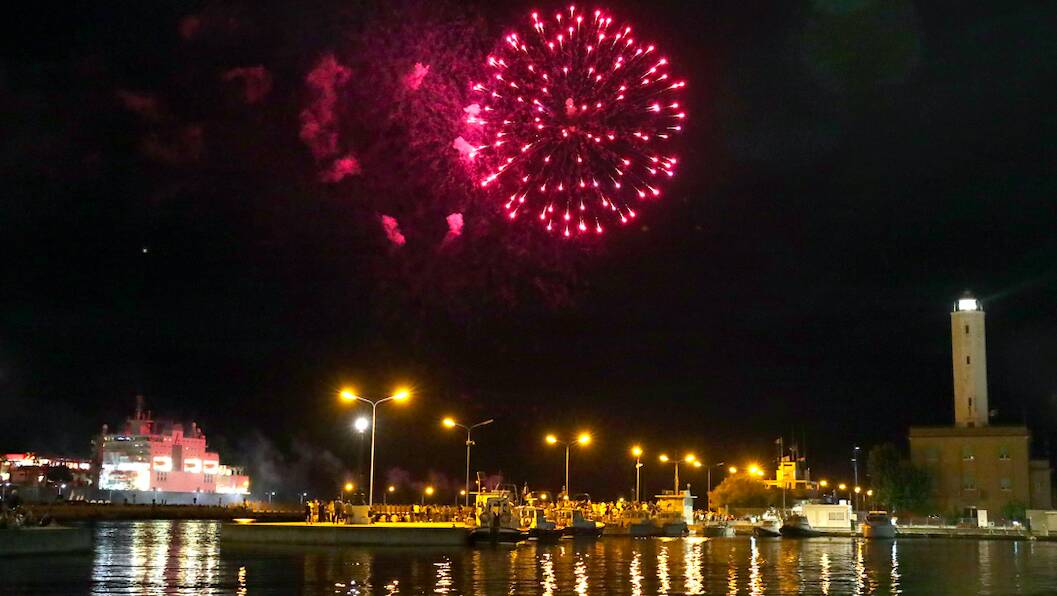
{"x":768,"y":528}
{"x":878,"y":524}
{"x":496,"y":520}
{"x":797,"y":526}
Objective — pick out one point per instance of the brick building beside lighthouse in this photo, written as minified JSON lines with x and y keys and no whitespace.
{"x":974,"y":466}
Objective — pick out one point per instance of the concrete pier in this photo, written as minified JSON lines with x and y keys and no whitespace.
{"x":384,"y":534}
{"x":44,"y":541}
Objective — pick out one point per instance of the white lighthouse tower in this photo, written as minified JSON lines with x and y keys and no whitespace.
{"x":969,"y":356}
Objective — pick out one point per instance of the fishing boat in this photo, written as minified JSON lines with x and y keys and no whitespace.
{"x":797,"y":526}
{"x":578,"y":525}
{"x":768,"y":528}
{"x":539,"y":527}
{"x":878,"y":524}
{"x":497,"y":521}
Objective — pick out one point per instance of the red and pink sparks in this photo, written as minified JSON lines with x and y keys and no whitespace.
{"x":576,"y":116}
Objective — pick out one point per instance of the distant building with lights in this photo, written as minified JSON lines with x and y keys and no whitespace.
{"x":972,"y":465}
{"x":163,"y":461}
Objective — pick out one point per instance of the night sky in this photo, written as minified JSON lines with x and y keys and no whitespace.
{"x":848,"y":170}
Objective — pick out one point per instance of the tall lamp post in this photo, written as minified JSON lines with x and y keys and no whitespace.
{"x":855,"y":470}
{"x":451,"y":423}
{"x":350,"y":396}
{"x":582,"y":439}
{"x":690,"y":459}
{"x":637,"y":452}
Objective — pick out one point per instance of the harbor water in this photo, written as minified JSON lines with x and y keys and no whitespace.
{"x":186,"y":557}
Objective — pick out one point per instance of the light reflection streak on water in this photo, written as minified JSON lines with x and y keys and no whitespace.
{"x":662,"y":570}
{"x":895,"y":568}
{"x":512,"y":579}
{"x":241,"y":579}
{"x":392,"y":587}
{"x":580,"y":572}
{"x":983,"y":552}
{"x":443,"y":584}
{"x":635,"y":573}
{"x":157,"y":554}
{"x":550,"y":582}
{"x":824,"y":573}
{"x":694,"y":583}
{"x":755,"y":576}
{"x":860,"y":568}
{"x":732,"y":574}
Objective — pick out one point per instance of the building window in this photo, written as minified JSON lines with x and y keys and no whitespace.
{"x":1005,"y":484}
{"x":969,"y":483}
{"x":161,"y":476}
{"x":967,"y":361}
{"x":967,"y":452}
{"x":1003,"y":452}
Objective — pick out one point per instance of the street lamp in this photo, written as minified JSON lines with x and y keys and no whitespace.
{"x":857,"y":491}
{"x":636,"y":451}
{"x":689,"y":459}
{"x":348,"y":395}
{"x":733,"y":469}
{"x":581,"y":439}
{"x":427,"y":493}
{"x":451,"y":423}
{"x":385,"y":495}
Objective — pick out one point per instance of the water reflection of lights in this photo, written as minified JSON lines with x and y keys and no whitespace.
{"x":580,"y":571}
{"x":860,"y":568}
{"x":443,"y":584}
{"x":635,"y":573}
{"x":662,"y":570}
{"x":732,"y":574}
{"x":392,"y":587}
{"x":755,"y":576}
{"x":241,"y":579}
{"x":694,"y":583}
{"x":895,"y":568}
{"x":157,"y":556}
{"x":824,"y":573}
{"x":550,"y":582}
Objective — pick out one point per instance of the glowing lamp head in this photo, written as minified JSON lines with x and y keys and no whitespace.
{"x":429,"y":491}
{"x":462,"y":493}
{"x":448,"y":422}
{"x":348,"y":395}
{"x":636,"y":451}
{"x":551,"y":439}
{"x":391,"y":488}
{"x":663,"y":458}
{"x":858,"y":490}
{"x":348,"y":487}
{"x":697,"y":464}
{"x":823,"y":483}
{"x":361,"y":424}
{"x":402,"y":395}
{"x":842,"y":486}
{"x":733,"y":469}
{"x":583,"y":439}
{"x":690,"y":458}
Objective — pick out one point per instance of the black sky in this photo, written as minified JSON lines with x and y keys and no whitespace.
{"x":850,"y":168}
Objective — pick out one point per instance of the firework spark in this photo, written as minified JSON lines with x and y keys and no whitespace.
{"x":576,"y":116}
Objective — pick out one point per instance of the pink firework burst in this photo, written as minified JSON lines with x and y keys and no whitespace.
{"x":576,"y":119}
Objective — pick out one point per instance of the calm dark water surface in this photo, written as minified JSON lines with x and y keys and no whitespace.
{"x":185,"y":557}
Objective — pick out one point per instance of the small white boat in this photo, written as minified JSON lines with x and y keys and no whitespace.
{"x":878,"y":524}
